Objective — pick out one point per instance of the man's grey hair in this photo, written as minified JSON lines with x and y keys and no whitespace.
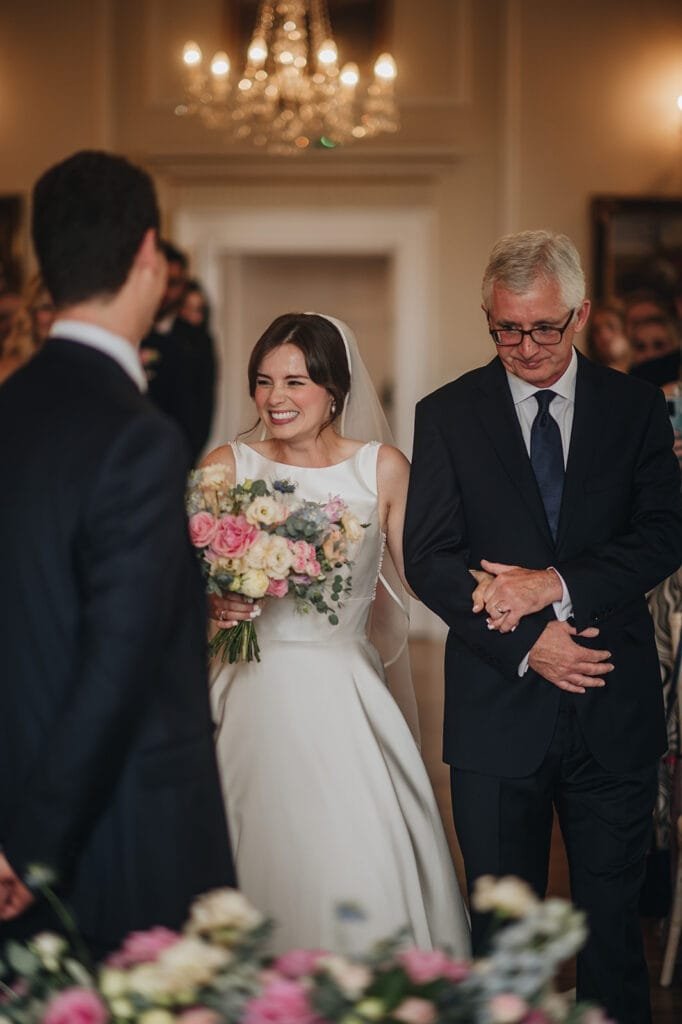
{"x":516,"y":262}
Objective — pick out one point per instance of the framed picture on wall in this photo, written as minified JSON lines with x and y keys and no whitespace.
{"x":637,"y":246}
{"x":11,"y":219}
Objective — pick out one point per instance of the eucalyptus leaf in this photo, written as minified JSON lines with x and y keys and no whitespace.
{"x":22,"y":960}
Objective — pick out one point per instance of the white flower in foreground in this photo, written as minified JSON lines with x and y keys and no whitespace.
{"x":113,"y":982}
{"x":156,"y":1017}
{"x":509,"y":896}
{"x":222,"y":909}
{"x":191,"y":962}
{"x":48,"y":947}
{"x":351,"y":978}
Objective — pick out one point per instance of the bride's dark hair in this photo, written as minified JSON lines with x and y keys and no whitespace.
{"x":323,"y":350}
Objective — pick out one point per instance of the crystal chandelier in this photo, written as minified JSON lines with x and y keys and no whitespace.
{"x":291,"y":94}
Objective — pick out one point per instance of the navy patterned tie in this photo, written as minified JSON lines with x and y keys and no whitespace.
{"x":547,"y":458}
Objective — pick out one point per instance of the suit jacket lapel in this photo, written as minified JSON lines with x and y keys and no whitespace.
{"x":587,"y":418}
{"x":498,"y":419}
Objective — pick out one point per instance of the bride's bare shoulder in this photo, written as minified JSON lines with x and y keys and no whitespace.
{"x":222,"y":456}
{"x":393,"y":470}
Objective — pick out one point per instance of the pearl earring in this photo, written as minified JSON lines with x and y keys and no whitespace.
{"x":333,"y":408}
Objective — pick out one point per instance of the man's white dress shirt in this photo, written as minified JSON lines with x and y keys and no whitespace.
{"x":561,"y":409}
{"x":113,"y":345}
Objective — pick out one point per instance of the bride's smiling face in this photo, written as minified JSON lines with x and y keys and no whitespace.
{"x":289,"y":403}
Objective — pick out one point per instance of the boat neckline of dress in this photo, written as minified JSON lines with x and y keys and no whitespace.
{"x":290,"y":465}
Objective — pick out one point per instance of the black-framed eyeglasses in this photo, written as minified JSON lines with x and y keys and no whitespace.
{"x":543,"y":334}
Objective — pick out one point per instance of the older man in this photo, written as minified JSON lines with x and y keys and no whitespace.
{"x":557,"y":477}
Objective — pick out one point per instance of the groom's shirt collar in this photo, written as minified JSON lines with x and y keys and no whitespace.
{"x":112,"y":345}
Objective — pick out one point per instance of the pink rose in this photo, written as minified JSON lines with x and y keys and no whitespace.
{"x":537,"y":1017}
{"x":76,"y":1006}
{"x":199,"y":1015}
{"x":415,"y":1011}
{"x":142,"y":947}
{"x":298,"y":962}
{"x":234,"y":536}
{"x":335,"y":508}
{"x":507,"y":1008}
{"x":313,"y":568}
{"x":281,"y":1002}
{"x":303,"y":554}
{"x":202,"y":529}
{"x":423,"y":966}
{"x":277,"y":588}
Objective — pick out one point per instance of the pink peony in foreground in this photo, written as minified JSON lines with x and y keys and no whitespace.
{"x":76,"y":1006}
{"x":423,"y":966}
{"x":142,"y":947}
{"x":282,"y":1002}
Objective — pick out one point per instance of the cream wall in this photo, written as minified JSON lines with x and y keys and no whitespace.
{"x":515,"y":112}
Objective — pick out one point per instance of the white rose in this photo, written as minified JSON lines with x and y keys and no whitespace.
{"x":122,"y":1008}
{"x":351,"y":978}
{"x":254,"y":583}
{"x":148,"y":981}
{"x":222,"y":908}
{"x":262,"y":510}
{"x":351,"y":526}
{"x":113,"y":982}
{"x":48,"y":947}
{"x":509,"y":896}
{"x":280,"y":558}
{"x":257,"y":555}
{"x":156,"y":1017}
{"x":191,"y":963}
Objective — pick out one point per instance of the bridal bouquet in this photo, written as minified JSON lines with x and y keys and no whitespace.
{"x":216,"y":971}
{"x":257,"y":540}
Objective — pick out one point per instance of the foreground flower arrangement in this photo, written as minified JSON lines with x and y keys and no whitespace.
{"x":216,"y":972}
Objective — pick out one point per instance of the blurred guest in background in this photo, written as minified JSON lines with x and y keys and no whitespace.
{"x":606,"y":339}
{"x":655,"y":346}
{"x":194,"y":308}
{"x":9,"y":304}
{"x":643,"y":307}
{"x":30,"y":328}
{"x":179,"y":361}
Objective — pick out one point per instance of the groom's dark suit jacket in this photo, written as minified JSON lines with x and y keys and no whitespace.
{"x":107,"y":770}
{"x":473,"y":495}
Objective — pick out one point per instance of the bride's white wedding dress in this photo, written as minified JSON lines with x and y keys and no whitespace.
{"x":327,"y":795}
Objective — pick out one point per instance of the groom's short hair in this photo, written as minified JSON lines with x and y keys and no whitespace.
{"x":90,"y":214}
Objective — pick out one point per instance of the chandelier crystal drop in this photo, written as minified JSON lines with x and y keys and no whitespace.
{"x":291,"y":95}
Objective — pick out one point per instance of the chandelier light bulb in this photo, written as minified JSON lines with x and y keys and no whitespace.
{"x":220,"y":65}
{"x":350,"y":74}
{"x":289,"y":91}
{"x":258,"y":51}
{"x":327,"y":53}
{"x":191,"y":55}
{"x":385,"y":67}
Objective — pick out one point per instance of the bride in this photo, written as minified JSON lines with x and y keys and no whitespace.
{"x":331,"y":811}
